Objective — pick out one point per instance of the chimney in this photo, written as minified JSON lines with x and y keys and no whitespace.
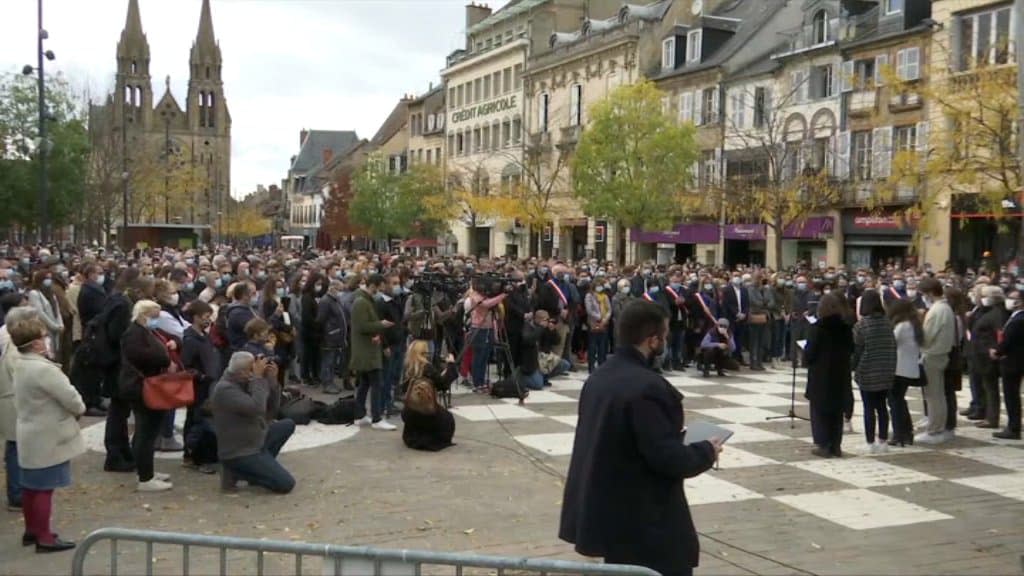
{"x":302,"y":137}
{"x":475,"y":13}
{"x":327,"y":154}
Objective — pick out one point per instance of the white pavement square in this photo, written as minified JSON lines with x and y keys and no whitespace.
{"x":1006,"y":485}
{"x":558,"y":444}
{"x":864,"y":472}
{"x":765,"y":388}
{"x":707,"y":489}
{"x":756,"y":400}
{"x":743,"y":433}
{"x":570,"y":420}
{"x":1001,"y":456}
{"x":733,"y":457}
{"x":740,"y":415}
{"x":492,"y":412}
{"x":860,"y":509}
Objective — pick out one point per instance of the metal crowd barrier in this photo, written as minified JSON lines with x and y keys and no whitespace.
{"x":337,"y":560}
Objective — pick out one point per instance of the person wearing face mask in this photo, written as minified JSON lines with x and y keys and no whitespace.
{"x":829,"y":350}
{"x":624,"y":498}
{"x":517,"y":310}
{"x":716,"y":349}
{"x":237,"y":315}
{"x":623,"y":296}
{"x":171,"y":324}
{"x":782,"y":299}
{"x":599,"y":318}
{"x":334,"y":336}
{"x":310,"y":332}
{"x":274,"y":304}
{"x":984,"y":325}
{"x":940,"y":335}
{"x":391,"y":307}
{"x":145,"y":354}
{"x":735,"y":309}
{"x":42,"y":298}
{"x":1010,"y":354}
{"x":366,"y":358}
{"x":47,"y":432}
{"x":199,"y":356}
{"x":804,"y":305}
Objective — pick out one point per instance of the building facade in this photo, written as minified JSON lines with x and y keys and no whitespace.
{"x":196,"y":137}
{"x":308,"y":174}
{"x":426,"y":127}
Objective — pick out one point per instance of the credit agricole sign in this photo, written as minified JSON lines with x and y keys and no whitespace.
{"x":497,"y":106}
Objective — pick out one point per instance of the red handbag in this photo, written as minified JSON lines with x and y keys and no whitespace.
{"x":169,"y":391}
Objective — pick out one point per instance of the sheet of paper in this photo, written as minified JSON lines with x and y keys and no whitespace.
{"x":701,"y":431}
{"x":811,"y":319}
{"x":802,"y":344}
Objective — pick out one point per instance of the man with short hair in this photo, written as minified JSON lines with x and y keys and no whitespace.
{"x":238,"y":314}
{"x":1010,"y":353}
{"x":366,"y":360}
{"x":245,"y":403}
{"x":624,"y":498}
{"x":939,"y":338}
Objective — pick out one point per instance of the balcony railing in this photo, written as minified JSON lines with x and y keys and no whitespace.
{"x":871,"y":192}
{"x":860,"y":25}
{"x":904,"y":101}
{"x":570,"y":135}
{"x":808,"y":36}
{"x":863,"y":102}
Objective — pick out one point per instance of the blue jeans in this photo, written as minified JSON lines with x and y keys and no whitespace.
{"x":481,"y":356}
{"x":263,"y":469}
{"x":597,"y":349}
{"x":392,"y":375}
{"x":562,"y":368}
{"x":677,"y":347}
{"x":369,"y":382}
{"x":328,"y":356}
{"x":13,"y":473}
{"x":167,"y":427}
{"x":534,"y":381}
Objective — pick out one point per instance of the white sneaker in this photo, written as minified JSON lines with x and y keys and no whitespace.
{"x":848,"y":427}
{"x":162,"y":476}
{"x":881,"y":447}
{"x":921,"y":424}
{"x":154,"y":485}
{"x":949,"y":435}
{"x":364,"y":421}
{"x":926,"y":438}
{"x":384,"y":425}
{"x":872,"y":449}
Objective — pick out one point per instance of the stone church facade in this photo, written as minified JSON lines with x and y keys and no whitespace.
{"x":198,"y":135}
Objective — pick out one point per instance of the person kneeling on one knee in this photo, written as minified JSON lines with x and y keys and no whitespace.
{"x":245,"y":403}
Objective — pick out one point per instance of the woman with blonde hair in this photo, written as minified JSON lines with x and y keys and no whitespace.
{"x":428,"y":425}
{"x":48,"y":437}
{"x":419,"y":367}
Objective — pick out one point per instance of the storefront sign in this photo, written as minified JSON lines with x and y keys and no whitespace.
{"x":496,"y":106}
{"x":694,"y":233}
{"x":885,"y":223}
{"x":744,"y":232}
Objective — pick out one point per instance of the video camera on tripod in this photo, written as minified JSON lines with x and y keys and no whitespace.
{"x":433,"y":282}
{"x":491,"y":284}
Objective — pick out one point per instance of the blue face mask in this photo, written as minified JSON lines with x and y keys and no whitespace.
{"x":152,"y":323}
{"x":190,"y":286}
{"x":6,"y":285}
{"x":654,"y":289}
{"x":47,"y":283}
{"x":677,"y":286}
{"x":280,"y":292}
{"x":220,"y":283}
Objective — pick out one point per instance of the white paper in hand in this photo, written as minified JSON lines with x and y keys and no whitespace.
{"x":701,"y":431}
{"x":802,"y":344}
{"x":812,"y":320}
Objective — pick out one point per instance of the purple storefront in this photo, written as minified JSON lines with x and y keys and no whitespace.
{"x":744,"y":244}
{"x":679,"y":244}
{"x":807,"y":240}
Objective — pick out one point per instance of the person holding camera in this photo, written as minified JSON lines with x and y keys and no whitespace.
{"x":717,"y":349}
{"x":244,"y":404}
{"x":482,"y":326}
{"x":367,"y":359}
{"x":334,"y":335}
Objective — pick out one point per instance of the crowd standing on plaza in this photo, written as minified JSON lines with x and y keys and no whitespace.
{"x":86,"y":331}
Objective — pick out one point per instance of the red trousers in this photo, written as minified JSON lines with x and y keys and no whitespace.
{"x":37,"y":507}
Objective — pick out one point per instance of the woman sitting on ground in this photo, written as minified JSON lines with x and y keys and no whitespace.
{"x":418,"y":366}
{"x":428,"y":425}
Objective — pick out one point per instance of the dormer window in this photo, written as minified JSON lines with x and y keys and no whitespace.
{"x":693,"y":42}
{"x":668,"y":53}
{"x":893,"y":6}
{"x":820,"y":27}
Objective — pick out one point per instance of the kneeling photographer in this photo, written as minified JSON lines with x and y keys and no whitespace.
{"x":428,"y":425}
{"x":539,"y":361}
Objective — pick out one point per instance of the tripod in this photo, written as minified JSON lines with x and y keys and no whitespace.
{"x":792,"y":415}
{"x":500,"y":345}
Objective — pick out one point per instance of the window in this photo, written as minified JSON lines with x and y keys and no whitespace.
{"x":506,"y":79}
{"x":496,"y":84}
{"x":984,"y":38}
{"x":668,"y":53}
{"x":905,"y":138}
{"x":819,"y":153}
{"x":517,"y":77}
{"x":487,"y":87}
{"x":430,"y":156}
{"x":819,"y":27}
{"x":451,"y":96}
{"x":517,"y":130}
{"x":708,"y":169}
{"x":496,"y":141}
{"x":437,"y":155}
{"x":506,"y":134}
{"x":686,"y":107}
{"x":893,"y":6}
{"x":542,"y":112}
{"x":458,"y":97}
{"x":861,"y":155}
{"x":576,"y":105}
{"x":798,"y":86}
{"x":485,"y":138}
{"x":761,"y":106}
{"x":709,"y":106}
{"x":737,"y":109}
{"x":497,"y":40}
{"x":460,"y":144}
{"x":431,"y":122}
{"x":908,"y":64}
{"x":477,"y":144}
{"x":792,"y":160}
{"x":477,"y":90}
{"x":864,"y":74}
{"x":822,"y":79}
{"x":693,"y":45}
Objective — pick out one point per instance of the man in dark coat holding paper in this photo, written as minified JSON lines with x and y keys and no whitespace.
{"x":624,"y":497}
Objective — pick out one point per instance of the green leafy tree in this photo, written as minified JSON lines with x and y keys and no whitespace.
{"x":67,"y":147}
{"x":633,"y":160}
{"x":382,"y":203}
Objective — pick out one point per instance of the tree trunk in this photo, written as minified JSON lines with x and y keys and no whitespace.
{"x":777,"y":243}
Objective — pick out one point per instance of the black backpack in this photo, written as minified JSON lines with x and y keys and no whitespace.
{"x":97,"y":348}
{"x":343,"y":411}
{"x":508,"y":388}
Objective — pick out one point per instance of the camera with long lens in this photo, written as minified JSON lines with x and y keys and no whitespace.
{"x":490,"y":284}
{"x":434,"y":282}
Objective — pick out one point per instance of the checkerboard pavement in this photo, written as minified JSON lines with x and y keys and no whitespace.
{"x":768,"y":460}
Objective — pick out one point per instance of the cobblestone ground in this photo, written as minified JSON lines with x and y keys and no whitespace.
{"x":771,"y":507}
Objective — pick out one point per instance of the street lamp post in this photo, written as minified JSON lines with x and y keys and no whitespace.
{"x":44,"y":145}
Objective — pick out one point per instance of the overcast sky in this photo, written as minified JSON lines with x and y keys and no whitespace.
{"x":288,"y":64}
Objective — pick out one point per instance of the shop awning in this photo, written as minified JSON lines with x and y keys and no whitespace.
{"x":744,"y":232}
{"x":811,"y":228}
{"x":420,"y":243}
{"x":689,"y":233}
{"x":857,"y":240}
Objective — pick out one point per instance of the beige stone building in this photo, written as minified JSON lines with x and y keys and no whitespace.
{"x":426,"y":127}
{"x":198,"y":135}
{"x":485,"y":109}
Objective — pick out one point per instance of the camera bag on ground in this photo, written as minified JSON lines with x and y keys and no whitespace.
{"x":300,"y":409}
{"x":343,"y":411}
{"x":507,"y":388}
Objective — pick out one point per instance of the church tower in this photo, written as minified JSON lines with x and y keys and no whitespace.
{"x":134,"y":92}
{"x":208,"y":118}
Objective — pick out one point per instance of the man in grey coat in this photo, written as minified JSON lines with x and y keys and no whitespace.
{"x":334,"y":337}
{"x":245,"y":403}
{"x":939,"y":337}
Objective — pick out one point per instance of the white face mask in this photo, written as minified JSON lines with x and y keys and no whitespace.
{"x":911,"y":293}
{"x":1011,"y":305}
{"x":986,"y":302}
{"x":173,"y":299}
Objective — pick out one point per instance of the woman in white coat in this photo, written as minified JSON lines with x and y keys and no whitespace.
{"x":48,"y":408}
{"x":41,"y":298}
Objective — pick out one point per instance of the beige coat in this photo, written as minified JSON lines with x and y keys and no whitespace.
{"x":8,"y":415}
{"x":48,"y":410}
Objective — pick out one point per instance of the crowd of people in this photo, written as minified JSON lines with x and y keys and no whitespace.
{"x":85,"y":328}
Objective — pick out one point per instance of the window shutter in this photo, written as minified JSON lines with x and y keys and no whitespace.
{"x":881,"y":150}
{"x":922,"y":143}
{"x":698,"y":107}
{"x":686,"y":107}
{"x":814,"y":83}
{"x":843,"y":155}
{"x":769,"y":114}
{"x":913,"y":63}
{"x":805,"y":85}
{"x":741,"y":109}
{"x":957,"y":56}
{"x":718,"y":168}
{"x":715,"y":106}
{"x":830,"y":156}
{"x":881,"y":61}
{"x":846,"y":76}
{"x":694,"y":172}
